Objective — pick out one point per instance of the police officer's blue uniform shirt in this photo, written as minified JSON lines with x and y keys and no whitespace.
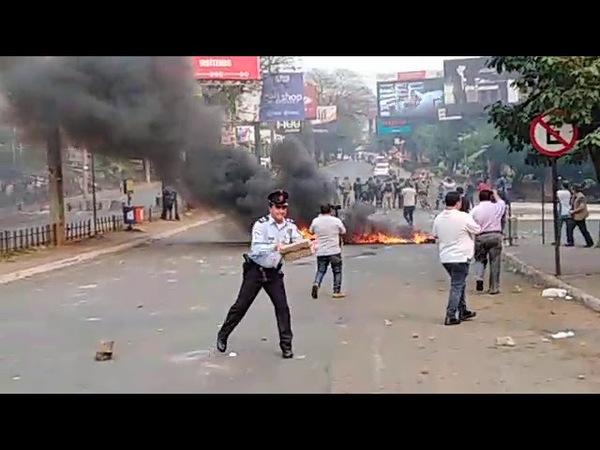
{"x":266,"y":234}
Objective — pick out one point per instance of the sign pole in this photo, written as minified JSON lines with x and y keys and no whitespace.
{"x":553,"y":141}
{"x":555,"y":217}
{"x":544,"y":208}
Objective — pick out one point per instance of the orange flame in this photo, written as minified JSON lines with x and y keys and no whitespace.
{"x":380,"y":238}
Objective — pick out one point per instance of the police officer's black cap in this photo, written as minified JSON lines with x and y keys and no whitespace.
{"x":279,"y":198}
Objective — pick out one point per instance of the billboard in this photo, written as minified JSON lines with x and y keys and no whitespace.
{"x":221,"y":68}
{"x":282,"y":97}
{"x":470,"y":86}
{"x":325,"y":114}
{"x":310,"y":101}
{"x":416,"y":99}
{"x":289,"y":126}
{"x":393,"y":126}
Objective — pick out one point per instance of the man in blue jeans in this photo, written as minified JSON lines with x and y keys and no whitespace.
{"x":455,"y":231}
{"x":328,"y":230}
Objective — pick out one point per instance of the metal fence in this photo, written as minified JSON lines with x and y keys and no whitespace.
{"x":12,"y":241}
{"x":46,"y":235}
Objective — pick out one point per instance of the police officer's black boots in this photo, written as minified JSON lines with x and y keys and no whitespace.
{"x":221,"y":344}
{"x":287,"y":353}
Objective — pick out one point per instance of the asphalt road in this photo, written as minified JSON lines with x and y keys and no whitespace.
{"x":162,"y":304}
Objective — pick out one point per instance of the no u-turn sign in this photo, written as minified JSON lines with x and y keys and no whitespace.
{"x":551,"y":140}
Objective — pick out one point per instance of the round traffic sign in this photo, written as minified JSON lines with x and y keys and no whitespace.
{"x":551,"y":140}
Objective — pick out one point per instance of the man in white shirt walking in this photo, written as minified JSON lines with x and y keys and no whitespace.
{"x":455,"y":232}
{"x":488,"y":215}
{"x":328,"y":231}
{"x":409,"y":201}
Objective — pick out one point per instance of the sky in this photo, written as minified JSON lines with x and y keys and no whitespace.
{"x":370,"y":66}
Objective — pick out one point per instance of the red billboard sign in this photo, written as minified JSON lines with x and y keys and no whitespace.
{"x":235,"y":68}
{"x":410,"y":76}
{"x":418,"y":75}
{"x":310,"y":101}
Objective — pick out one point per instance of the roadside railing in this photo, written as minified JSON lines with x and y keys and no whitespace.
{"x":29,"y":238}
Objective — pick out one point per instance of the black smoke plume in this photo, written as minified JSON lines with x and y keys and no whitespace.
{"x":298,"y":172}
{"x":144,"y":107}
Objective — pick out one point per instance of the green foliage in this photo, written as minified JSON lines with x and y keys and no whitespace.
{"x":448,"y":142}
{"x":570,"y":84}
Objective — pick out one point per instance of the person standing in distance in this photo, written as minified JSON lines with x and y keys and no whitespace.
{"x":328,"y":231}
{"x":455,"y":232}
{"x":262,"y":270}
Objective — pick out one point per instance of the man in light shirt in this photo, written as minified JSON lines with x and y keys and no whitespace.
{"x":455,"y":232}
{"x":328,"y":231}
{"x":564,"y":207}
{"x":488,"y":243}
{"x":409,"y":201}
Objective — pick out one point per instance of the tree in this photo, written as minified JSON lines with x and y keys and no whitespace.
{"x":570,"y":84}
{"x":447,"y":142}
{"x":275,"y":64}
{"x":353,"y":98}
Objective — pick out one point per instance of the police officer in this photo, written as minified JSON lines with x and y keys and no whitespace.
{"x":262,"y":269}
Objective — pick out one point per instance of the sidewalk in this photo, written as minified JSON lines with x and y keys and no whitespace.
{"x":107,"y":243}
{"x":580,"y":268}
{"x":104,"y":195}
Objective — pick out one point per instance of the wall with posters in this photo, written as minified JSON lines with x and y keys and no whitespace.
{"x":311,"y":101}
{"x":417,"y":99}
{"x":470,"y":86}
{"x":282,"y":97}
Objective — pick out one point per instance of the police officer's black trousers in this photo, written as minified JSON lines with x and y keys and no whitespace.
{"x":254,"y":279}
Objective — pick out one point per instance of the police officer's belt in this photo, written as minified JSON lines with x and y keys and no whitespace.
{"x":250,"y":262}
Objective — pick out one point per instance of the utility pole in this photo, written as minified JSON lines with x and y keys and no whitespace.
{"x":94,"y":204}
{"x":14,"y":146}
{"x":84,"y":173}
{"x":257,"y":141}
{"x":55,"y":184}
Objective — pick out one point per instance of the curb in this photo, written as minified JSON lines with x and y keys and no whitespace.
{"x":88,"y":256}
{"x":548,"y":218}
{"x":546,"y":280}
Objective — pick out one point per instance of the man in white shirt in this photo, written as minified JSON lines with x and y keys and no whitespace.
{"x":328,"y":231}
{"x":455,"y":232}
{"x":409,"y":201}
{"x":564,"y":207}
